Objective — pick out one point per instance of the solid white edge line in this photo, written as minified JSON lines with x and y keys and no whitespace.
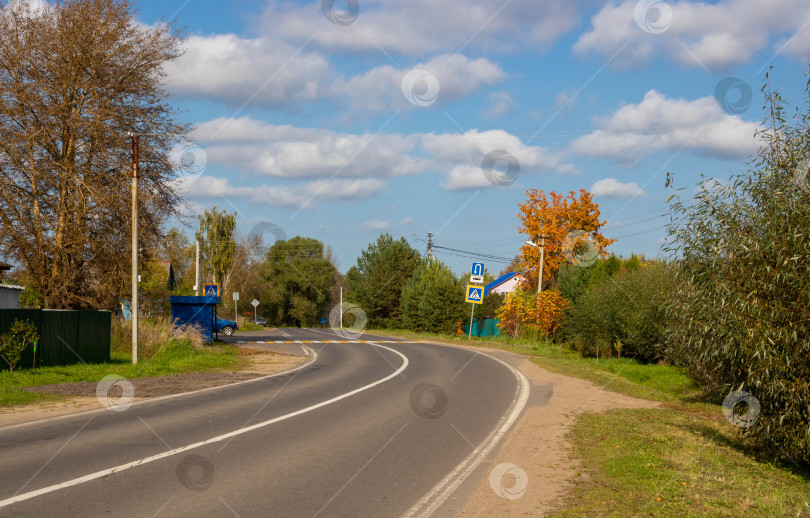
{"x":160,"y":398}
{"x":433,"y":499}
{"x":146,"y":460}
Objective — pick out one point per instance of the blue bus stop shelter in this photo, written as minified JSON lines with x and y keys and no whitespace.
{"x":196,"y":311}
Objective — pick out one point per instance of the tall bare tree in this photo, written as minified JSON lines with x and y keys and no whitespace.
{"x":76,"y":77}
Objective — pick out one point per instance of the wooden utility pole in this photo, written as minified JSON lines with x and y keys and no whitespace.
{"x":135,"y":158}
{"x":197,"y":271}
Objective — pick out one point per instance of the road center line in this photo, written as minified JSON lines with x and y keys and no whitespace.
{"x":146,"y":460}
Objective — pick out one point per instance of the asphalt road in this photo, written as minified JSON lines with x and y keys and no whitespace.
{"x":366,"y":429}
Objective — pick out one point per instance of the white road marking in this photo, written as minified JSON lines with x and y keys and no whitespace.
{"x":146,"y":460}
{"x":433,"y":499}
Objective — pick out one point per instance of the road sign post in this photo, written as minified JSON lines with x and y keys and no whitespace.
{"x":235,"y":311}
{"x":255,"y":304}
{"x":475,"y":295}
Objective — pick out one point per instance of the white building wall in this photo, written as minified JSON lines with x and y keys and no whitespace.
{"x":9,"y":298}
{"x":508,"y":286}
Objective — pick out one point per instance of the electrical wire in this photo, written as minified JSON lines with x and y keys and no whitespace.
{"x":475,"y":255}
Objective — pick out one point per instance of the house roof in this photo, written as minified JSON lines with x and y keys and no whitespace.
{"x":500,"y":280}
{"x":12,"y":287}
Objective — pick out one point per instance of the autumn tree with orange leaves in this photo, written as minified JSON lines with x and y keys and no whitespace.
{"x":570,"y":225}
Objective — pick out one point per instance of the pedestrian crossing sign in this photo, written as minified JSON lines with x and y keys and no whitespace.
{"x":211,"y":290}
{"x":475,"y":294}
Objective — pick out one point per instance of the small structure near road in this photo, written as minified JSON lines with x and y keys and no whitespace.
{"x":195,"y":311}
{"x":10,"y":296}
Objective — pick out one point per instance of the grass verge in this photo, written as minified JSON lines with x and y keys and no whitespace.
{"x":174,"y":357}
{"x":250,"y":326}
{"x":677,"y":463}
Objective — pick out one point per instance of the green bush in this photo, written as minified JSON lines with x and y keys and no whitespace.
{"x":742,"y":304}
{"x":624,"y":314}
{"x":433,"y":299}
{"x":573,"y":280}
{"x":20,"y":335}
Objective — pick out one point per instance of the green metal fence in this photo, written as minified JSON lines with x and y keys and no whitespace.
{"x":484,"y":327}
{"x":65,"y":337}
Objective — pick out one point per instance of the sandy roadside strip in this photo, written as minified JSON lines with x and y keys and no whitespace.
{"x":262,"y":363}
{"x":538,"y":446}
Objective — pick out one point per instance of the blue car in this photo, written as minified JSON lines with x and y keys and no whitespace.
{"x":224,"y":326}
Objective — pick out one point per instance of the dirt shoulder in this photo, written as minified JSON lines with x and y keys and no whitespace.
{"x":538,"y":446}
{"x":82,"y":396}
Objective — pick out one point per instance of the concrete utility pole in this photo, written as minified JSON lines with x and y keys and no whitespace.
{"x":430,"y":247}
{"x":542,"y":257}
{"x":542,"y":247}
{"x":197,"y":271}
{"x":135,"y":159}
{"x":341,"y":307}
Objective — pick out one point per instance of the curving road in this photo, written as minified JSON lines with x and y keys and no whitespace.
{"x":367,"y":428}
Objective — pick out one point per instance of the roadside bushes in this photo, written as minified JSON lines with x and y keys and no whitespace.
{"x":433,"y":299}
{"x":622,"y":313}
{"x":742,"y":304}
{"x":12,"y":344}
{"x":537,"y":312}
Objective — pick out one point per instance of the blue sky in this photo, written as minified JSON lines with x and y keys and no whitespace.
{"x":338,"y":121}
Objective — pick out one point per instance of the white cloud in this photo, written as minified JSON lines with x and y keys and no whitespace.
{"x":463,"y":154}
{"x":267,"y":72}
{"x":409,"y":221}
{"x":422,"y":27}
{"x":612,"y":188}
{"x":290,"y":152}
{"x":500,"y":103}
{"x":301,"y":196}
{"x":233,"y":70}
{"x":380,"y":88}
{"x":376,"y":224}
{"x":569,"y":169}
{"x":659,"y":123}
{"x":260,"y":149}
{"x":716,"y":36}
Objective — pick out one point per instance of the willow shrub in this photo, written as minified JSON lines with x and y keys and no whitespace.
{"x":741,"y":303}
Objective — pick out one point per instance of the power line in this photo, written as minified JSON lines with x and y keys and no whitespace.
{"x":611,"y":221}
{"x":642,"y":232}
{"x":473,"y":256}
{"x":476,"y":254}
